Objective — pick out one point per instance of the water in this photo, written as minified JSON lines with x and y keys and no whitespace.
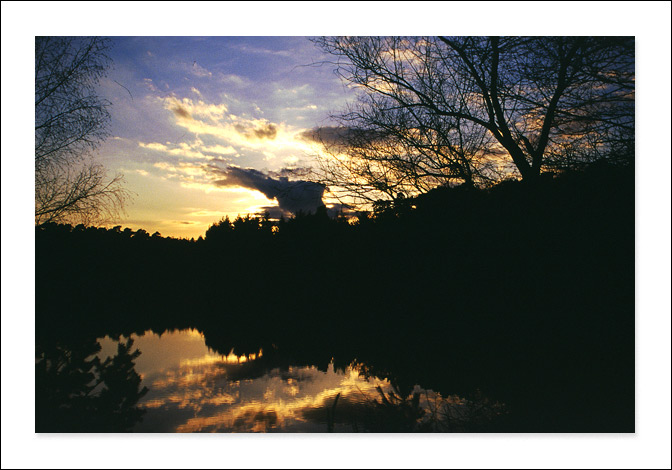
{"x":192,"y":388}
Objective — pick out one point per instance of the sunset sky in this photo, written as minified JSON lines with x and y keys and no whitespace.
{"x":186,"y":109}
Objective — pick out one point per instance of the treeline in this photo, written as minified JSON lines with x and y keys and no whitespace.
{"x":523,"y":291}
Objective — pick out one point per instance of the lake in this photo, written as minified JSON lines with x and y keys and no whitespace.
{"x":192,"y":388}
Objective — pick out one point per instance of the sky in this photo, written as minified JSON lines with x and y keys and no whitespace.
{"x":205,"y":127}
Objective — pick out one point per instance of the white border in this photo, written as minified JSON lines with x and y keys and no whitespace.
{"x":648,"y":21}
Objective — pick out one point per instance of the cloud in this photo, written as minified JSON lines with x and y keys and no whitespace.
{"x":202,"y":118}
{"x":293,"y":196}
{"x":269,"y":131}
{"x":248,"y":49}
{"x":181,"y":112}
{"x":235,"y":80}
{"x":192,"y":150}
{"x":219,"y":149}
{"x":339,"y":135}
{"x":274,"y":212}
{"x":150,"y":84}
{"x":200,"y":71}
{"x":328,"y":135}
{"x":184,"y":170}
{"x":265,"y":130}
{"x":209,"y":112}
{"x":256,"y":139}
{"x":195,"y":212}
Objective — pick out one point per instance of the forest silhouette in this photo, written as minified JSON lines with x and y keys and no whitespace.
{"x":76,"y":391}
{"x":523,"y":292}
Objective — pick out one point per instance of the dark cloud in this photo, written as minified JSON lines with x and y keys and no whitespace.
{"x":293,"y":196}
{"x":333,"y":210}
{"x":327,"y":135}
{"x":290,"y":173}
{"x":265,"y":131}
{"x":274,"y":212}
{"x":334,"y":135}
{"x":269,"y":131}
{"x":181,"y":112}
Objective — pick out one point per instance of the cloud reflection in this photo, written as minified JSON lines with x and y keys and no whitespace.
{"x":215,"y":393}
{"x":278,"y":400}
{"x":197,"y":390}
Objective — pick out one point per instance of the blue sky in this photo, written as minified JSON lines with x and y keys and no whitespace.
{"x":184,"y":109}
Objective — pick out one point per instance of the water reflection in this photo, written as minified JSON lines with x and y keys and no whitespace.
{"x":195,"y":389}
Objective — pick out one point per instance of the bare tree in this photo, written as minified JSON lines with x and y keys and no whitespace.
{"x":70,"y":122}
{"x":472,"y":109}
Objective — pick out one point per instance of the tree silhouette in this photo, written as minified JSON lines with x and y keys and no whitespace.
{"x":474,"y":109}
{"x":70,"y":122}
{"x":77,"y":392}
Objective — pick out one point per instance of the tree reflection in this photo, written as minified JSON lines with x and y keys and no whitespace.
{"x":77,"y":392}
